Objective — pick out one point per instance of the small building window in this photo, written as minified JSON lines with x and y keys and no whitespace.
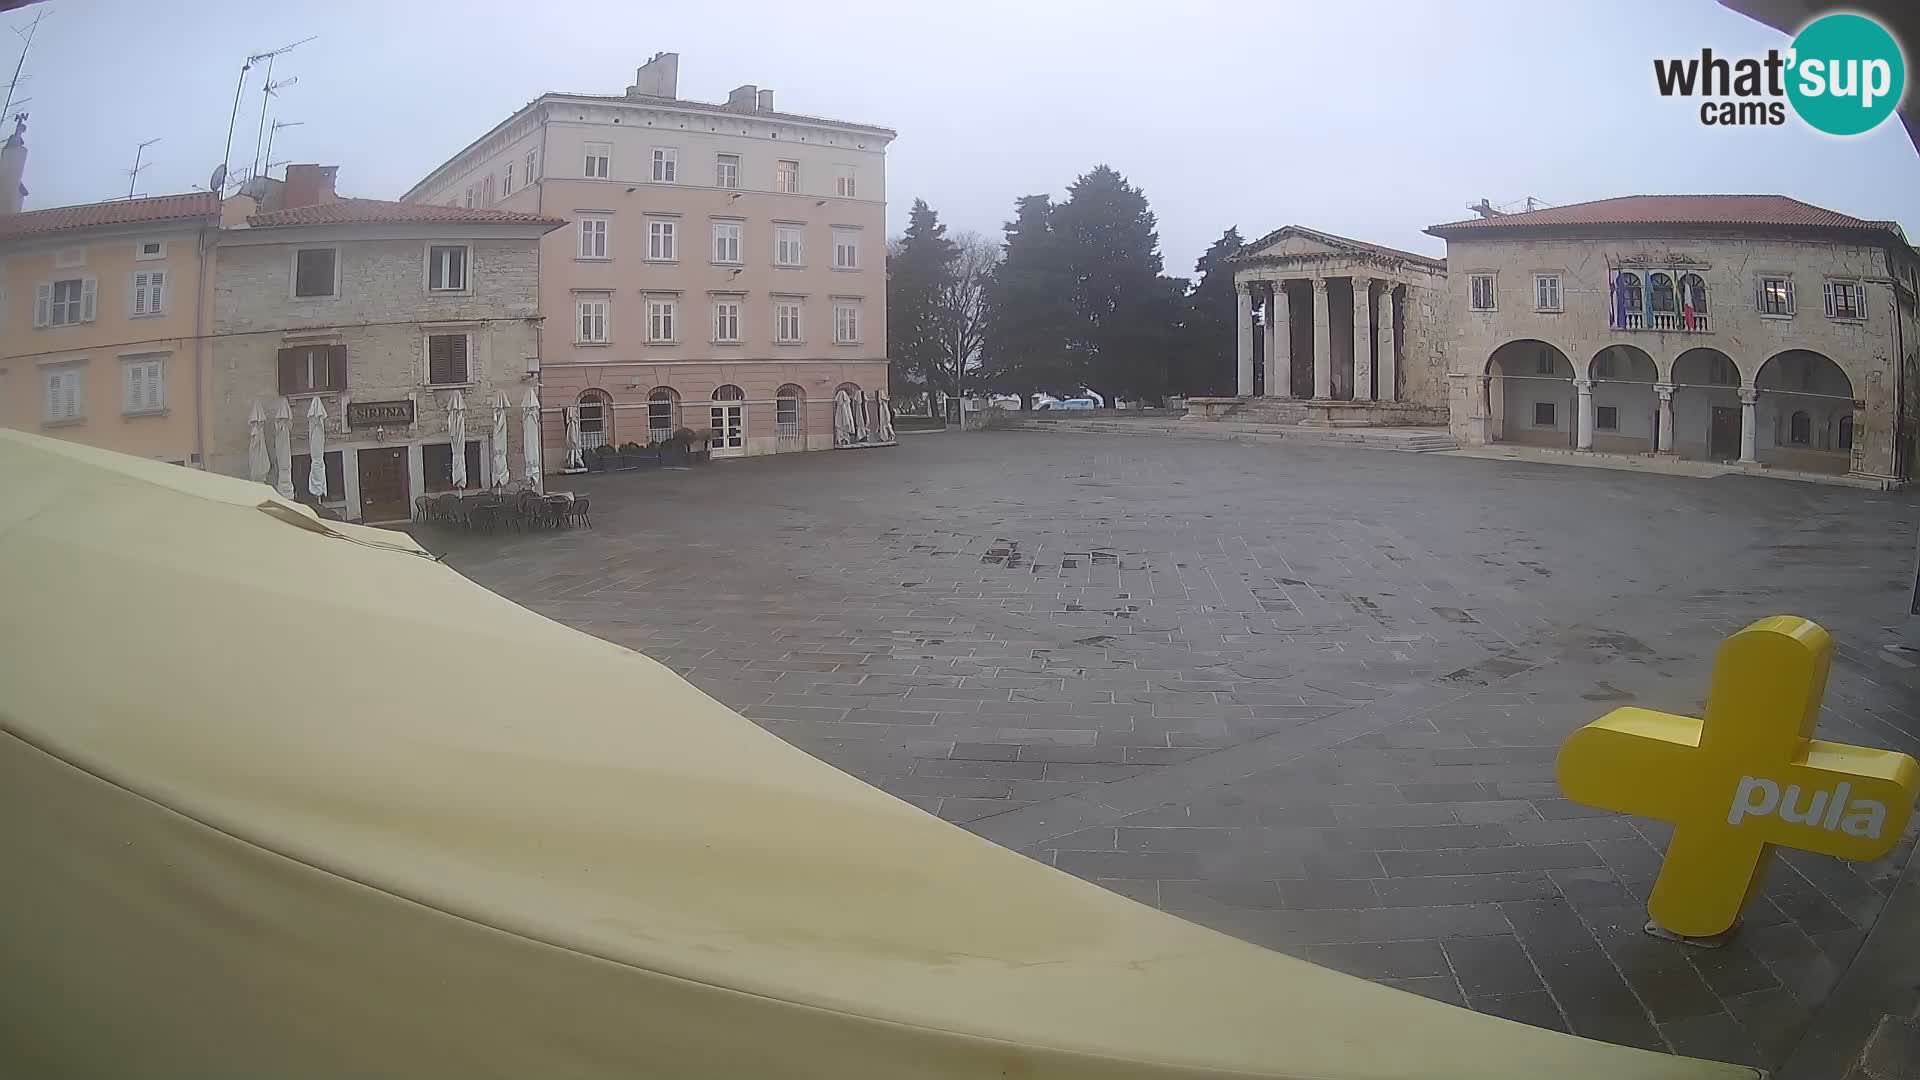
{"x":67,"y":302}
{"x":1693,"y":296}
{"x":506,"y":182}
{"x":666,"y":165}
{"x":66,"y":394}
{"x":789,"y":248}
{"x":786,"y":322}
{"x":312,"y":369}
{"x":593,"y":320}
{"x":726,"y":171}
{"x":593,"y":238}
{"x":1800,"y":429}
{"x":662,"y":243}
{"x":151,"y":249}
{"x":726,"y":241}
{"x":1543,"y":414}
{"x":144,"y":385}
{"x":846,"y":249}
{"x":1846,"y":300}
{"x":313,"y":272}
{"x":447,"y":360}
{"x":1661,"y":286}
{"x":149,"y":292}
{"x":726,"y":320}
{"x":533,"y":156}
{"x":595,"y":428}
{"x":599,"y":164}
{"x":786,"y":177}
{"x":786,"y":412}
{"x":1632,"y":313}
{"x":1480,"y":295}
{"x":660,"y":409}
{"x":447,"y":268}
{"x":1606,"y":417}
{"x":660,"y":319}
{"x":843,"y":181}
{"x":1776,"y":297}
{"x":846,"y":323}
{"x":1546,"y":292}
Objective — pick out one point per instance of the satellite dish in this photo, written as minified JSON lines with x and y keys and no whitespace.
{"x":219,"y":179}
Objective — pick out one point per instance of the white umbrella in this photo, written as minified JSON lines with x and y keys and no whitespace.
{"x":283,"y":448}
{"x":317,"y":449}
{"x":575,"y":458}
{"x":501,"y":474}
{"x":457,"y":435}
{"x":862,"y":425}
{"x":885,"y":409}
{"x":843,"y":418}
{"x":257,"y":464}
{"x":530,"y":438}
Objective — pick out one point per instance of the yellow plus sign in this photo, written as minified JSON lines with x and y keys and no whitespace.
{"x":1744,"y":779}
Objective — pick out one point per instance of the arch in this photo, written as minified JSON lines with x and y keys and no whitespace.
{"x":1693,"y":302}
{"x":663,"y":413}
{"x":1626,"y":412}
{"x":1804,"y":412}
{"x":596,"y":418}
{"x":729,"y":392}
{"x":790,"y":413}
{"x":1707,"y":413}
{"x":1529,"y":394}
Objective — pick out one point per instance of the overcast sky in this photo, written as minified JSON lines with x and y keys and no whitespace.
{"x":1372,"y":120}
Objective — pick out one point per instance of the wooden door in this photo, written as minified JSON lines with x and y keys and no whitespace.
{"x":383,"y":485}
{"x":1723,"y":434}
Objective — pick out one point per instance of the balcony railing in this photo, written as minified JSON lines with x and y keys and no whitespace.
{"x":1662,"y":322}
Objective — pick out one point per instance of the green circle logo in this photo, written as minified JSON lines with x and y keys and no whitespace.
{"x":1845,"y":74}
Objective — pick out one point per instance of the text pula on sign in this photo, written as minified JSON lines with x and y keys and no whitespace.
{"x":1758,"y":796}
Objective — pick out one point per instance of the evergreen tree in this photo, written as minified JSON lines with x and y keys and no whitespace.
{"x":1121,"y":308}
{"x":918,"y":268}
{"x":1029,"y":298}
{"x":1210,"y":360}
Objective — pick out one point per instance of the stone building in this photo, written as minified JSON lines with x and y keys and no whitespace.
{"x":390,"y":316}
{"x":724,"y":268}
{"x":1743,"y":328}
{"x":1348,"y":332}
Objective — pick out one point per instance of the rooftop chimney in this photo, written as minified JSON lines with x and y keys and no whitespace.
{"x":745,"y":98}
{"x":764,"y":101}
{"x":13,"y":166}
{"x":308,"y":185}
{"x":658,"y":77}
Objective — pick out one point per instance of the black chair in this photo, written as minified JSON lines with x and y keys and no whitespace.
{"x":577,"y":511}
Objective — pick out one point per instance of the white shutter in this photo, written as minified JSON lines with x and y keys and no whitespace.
{"x":1827,"y":289}
{"x":156,"y":291}
{"x":42,"y":304}
{"x":86,"y":300}
{"x":72,"y":397}
{"x":1789,"y":284}
{"x":139,"y":295}
{"x":133,"y":397}
{"x":54,"y":379}
{"x":151,"y":397}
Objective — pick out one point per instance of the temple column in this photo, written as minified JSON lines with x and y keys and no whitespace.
{"x":1387,"y":371}
{"x":1279,"y":343}
{"x":1749,"y":422}
{"x":1664,"y":392}
{"x":1243,"y":296}
{"x":1322,"y":355}
{"x":1583,"y":430}
{"x":1362,"y":340}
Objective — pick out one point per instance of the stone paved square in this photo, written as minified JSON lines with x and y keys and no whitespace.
{"x":1308,"y":696}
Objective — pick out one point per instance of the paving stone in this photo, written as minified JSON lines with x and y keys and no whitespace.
{"x":1537,"y":1008}
{"x":1383,"y":960}
{"x":1493,"y":967}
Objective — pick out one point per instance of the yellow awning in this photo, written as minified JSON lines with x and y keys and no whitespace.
{"x":282,"y":797}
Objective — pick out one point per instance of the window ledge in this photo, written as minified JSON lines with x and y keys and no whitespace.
{"x":134,"y":413}
{"x":730,"y":265}
{"x":593,"y":258}
{"x":1857,"y":320}
{"x":449,"y":385}
{"x":593,"y":344}
{"x":661,"y":262}
{"x":149,"y":315}
{"x":454,"y":293}
{"x":304,"y":299}
{"x":71,"y":421}
{"x":727,"y":344}
{"x":791,"y":343}
{"x":1549,"y":311}
{"x":789,"y":266}
{"x":657,"y":342}
{"x":1782,"y":318}
{"x":1483,"y":311}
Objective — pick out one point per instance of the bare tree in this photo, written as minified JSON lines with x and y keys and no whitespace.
{"x":963,"y":311}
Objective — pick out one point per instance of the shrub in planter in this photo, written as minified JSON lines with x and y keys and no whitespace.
{"x":596,"y":458}
{"x":702,"y":445}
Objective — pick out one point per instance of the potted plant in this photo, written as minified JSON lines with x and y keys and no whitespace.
{"x":679,"y":447}
{"x":629,"y":455}
{"x":596,"y":458}
{"x":700,"y":448}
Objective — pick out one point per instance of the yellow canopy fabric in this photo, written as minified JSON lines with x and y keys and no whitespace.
{"x":286,"y":798}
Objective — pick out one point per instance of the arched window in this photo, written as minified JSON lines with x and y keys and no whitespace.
{"x":1846,"y":432}
{"x":661,"y":408}
{"x":1662,"y":286}
{"x":1632,"y":302}
{"x":596,"y":419}
{"x":1800,"y":429}
{"x":787,"y":411}
{"x":729,"y":392}
{"x":1693,"y":294}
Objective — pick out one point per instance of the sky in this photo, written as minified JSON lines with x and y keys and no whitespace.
{"x":1370,"y":120}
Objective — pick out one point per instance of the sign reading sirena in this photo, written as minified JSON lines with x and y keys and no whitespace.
{"x":363,"y":414}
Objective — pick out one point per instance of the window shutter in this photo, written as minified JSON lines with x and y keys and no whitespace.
{"x":156,"y":291}
{"x":154,"y":400}
{"x":1789,"y":296}
{"x":439,"y":359}
{"x":1860,"y":302}
{"x":1828,"y":290}
{"x":136,"y":391}
{"x":457,"y":359}
{"x":42,"y":305}
{"x":139,"y":295}
{"x":289,"y":371}
{"x":336,"y":367}
{"x":54,"y":382}
{"x":86,"y":300}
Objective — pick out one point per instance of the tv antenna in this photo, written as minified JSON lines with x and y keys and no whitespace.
{"x":133,"y":174}
{"x":267,"y":169}
{"x":13,"y":85}
{"x":267,"y":90}
{"x":226,"y":158}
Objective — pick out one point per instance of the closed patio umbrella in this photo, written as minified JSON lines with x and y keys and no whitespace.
{"x":530,"y":439}
{"x":843,"y":429}
{"x":501,"y":473}
{"x":258,"y":464}
{"x":884,"y":409}
{"x":283,"y":448}
{"x":575,"y":457}
{"x":317,"y":449}
{"x":457,"y":435}
{"x":584,"y":869}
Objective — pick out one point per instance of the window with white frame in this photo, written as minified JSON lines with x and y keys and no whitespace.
{"x":150,"y":249}
{"x":846,"y":322}
{"x":487,"y":197}
{"x":786,"y":322}
{"x":599,"y":164}
{"x":660,"y":319}
{"x":592,"y":312}
{"x":726,"y":241}
{"x":786,"y":412}
{"x":1546,"y":292}
{"x":846,"y":249}
{"x":470,"y":191}
{"x":66,"y":393}
{"x":789,"y":245}
{"x":446,"y":268}
{"x":1775,"y":297}
{"x":533,"y":157}
{"x":506,"y":181}
{"x":843,"y":184}
{"x":661,"y":241}
{"x":1480,"y":295}
{"x":66,"y":302}
{"x":726,"y":320}
{"x":149,"y":293}
{"x":786,"y":177}
{"x":666,"y":165}
{"x":726,"y":171}
{"x":143,"y":381}
{"x":1846,"y":300}
{"x":593,"y":237}
{"x":315,"y":272}
{"x":660,"y":414}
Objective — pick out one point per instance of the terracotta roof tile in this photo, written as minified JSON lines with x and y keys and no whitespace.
{"x":160,"y":208}
{"x":383,"y":212}
{"x":1753,"y":210}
